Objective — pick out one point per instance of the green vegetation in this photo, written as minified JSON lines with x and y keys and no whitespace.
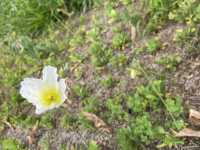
{"x":153,"y":45}
{"x":117,"y":58}
{"x":148,"y":104}
{"x":119,"y":40}
{"x":170,"y":62}
{"x":36,"y":16}
{"x":109,"y":82}
{"x":100,"y":55}
{"x":10,"y":144}
{"x":93,"y":146}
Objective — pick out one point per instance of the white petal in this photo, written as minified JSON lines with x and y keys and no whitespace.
{"x":30,"y":88}
{"x":49,"y":75}
{"x":39,"y":110}
{"x":62,"y":87}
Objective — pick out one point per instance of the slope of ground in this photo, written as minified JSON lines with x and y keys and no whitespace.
{"x":129,"y":63}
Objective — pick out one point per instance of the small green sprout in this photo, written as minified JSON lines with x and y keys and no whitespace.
{"x":119,"y":60}
{"x":119,"y":40}
{"x":115,"y":110}
{"x":170,"y":62}
{"x":80,"y":91}
{"x":126,"y":2}
{"x":153,"y":45}
{"x":93,"y":146}
{"x":108,"y":82}
{"x":112,"y":13}
{"x":99,"y":54}
{"x":91,"y":104}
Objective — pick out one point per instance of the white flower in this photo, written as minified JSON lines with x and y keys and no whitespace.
{"x":46,"y":93}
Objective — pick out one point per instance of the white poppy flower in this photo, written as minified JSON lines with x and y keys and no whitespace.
{"x":46,"y":93}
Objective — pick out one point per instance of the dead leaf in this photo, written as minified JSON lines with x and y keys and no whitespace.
{"x":133,"y":33}
{"x":187,"y":132}
{"x":32,"y":135}
{"x":98,"y":123}
{"x":194,"y":117}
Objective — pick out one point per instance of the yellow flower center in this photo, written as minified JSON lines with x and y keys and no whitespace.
{"x":50,"y":96}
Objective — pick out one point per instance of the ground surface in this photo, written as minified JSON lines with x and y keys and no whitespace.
{"x":105,"y":60}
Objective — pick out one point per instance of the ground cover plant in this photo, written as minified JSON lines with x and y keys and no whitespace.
{"x":131,"y":70}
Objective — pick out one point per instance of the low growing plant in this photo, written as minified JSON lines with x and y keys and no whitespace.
{"x":148,"y":105}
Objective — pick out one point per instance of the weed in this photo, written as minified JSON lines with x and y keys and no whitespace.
{"x":170,"y":62}
{"x":78,"y":38}
{"x":108,"y":82}
{"x":47,"y":120}
{"x":158,"y":12}
{"x":188,"y":38}
{"x":112,"y":13}
{"x":119,"y":40}
{"x":118,"y":60}
{"x":94,"y":34}
{"x":93,"y":146}
{"x":76,"y":57}
{"x":44,"y":143}
{"x":66,"y":121}
{"x":91,"y":104}
{"x":134,"y":69}
{"x":185,"y":11}
{"x":142,"y":127}
{"x":153,"y":45}
{"x":170,"y":141}
{"x":77,"y":5}
{"x":85,"y":123}
{"x":126,"y":2}
{"x":184,"y":34}
{"x":34,"y":16}
{"x":115,"y":109}
{"x":100,"y":55}
{"x":10,"y":144}
{"x":80,"y":91}
{"x":78,"y":72}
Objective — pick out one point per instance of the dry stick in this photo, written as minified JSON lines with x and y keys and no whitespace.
{"x":158,"y":94}
{"x":8,"y":124}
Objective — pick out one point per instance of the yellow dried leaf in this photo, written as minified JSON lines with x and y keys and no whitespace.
{"x":194,"y":117}
{"x":187,"y":132}
{"x":98,"y":123}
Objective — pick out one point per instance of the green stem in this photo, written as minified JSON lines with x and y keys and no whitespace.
{"x":158,"y":94}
